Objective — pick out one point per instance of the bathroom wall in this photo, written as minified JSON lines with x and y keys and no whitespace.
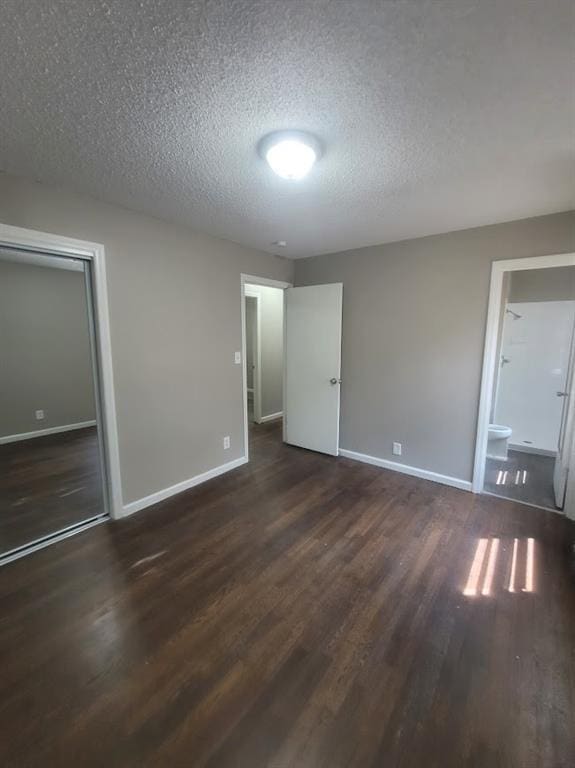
{"x":556,"y":284}
{"x":533,"y":368}
{"x":505,"y":294}
{"x":527,"y":401}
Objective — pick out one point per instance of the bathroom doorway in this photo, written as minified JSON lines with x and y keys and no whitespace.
{"x":526,"y":410}
{"x":263,"y":358}
{"x":253,"y":367}
{"x":264,"y":352}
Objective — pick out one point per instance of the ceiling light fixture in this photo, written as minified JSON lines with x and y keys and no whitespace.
{"x":290,"y":154}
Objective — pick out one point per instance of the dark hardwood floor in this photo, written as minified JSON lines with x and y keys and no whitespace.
{"x":300,"y":611}
{"x":529,"y":478}
{"x":47,"y":484}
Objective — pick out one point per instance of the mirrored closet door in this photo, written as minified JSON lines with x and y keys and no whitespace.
{"x":51,"y":479}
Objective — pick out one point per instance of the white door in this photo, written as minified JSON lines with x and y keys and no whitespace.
{"x":566,"y":433}
{"x":313,"y":367}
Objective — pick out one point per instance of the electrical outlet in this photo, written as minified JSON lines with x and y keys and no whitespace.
{"x":397,"y":449}
{"x":237,"y":358}
{"x":39,"y":415}
{"x":227,"y":441}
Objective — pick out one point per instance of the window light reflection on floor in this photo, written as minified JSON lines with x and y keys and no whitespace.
{"x":511,"y":586}
{"x":476,"y":566}
{"x":482,"y":573}
{"x":503,"y":474}
{"x":488,"y":580}
{"x":529,"y":566}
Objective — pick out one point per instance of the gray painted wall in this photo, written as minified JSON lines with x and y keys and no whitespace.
{"x":414,"y":317}
{"x":44,"y":349}
{"x":556,"y":284}
{"x":175,"y":315}
{"x":251,"y":332}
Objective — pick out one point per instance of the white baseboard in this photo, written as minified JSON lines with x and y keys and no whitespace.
{"x":155,"y":498}
{"x":531,"y":449}
{"x":405,"y":469}
{"x":48,"y":431}
{"x":272,"y":417}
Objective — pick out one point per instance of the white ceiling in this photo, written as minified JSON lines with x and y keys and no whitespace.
{"x":435,"y":114}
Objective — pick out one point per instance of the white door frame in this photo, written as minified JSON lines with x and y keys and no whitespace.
{"x":31,"y":240}
{"x":566,"y":440}
{"x":498,"y":269}
{"x":249,"y":292}
{"x":254,"y":280}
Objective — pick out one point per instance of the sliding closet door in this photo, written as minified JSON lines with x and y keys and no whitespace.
{"x":50,"y":464}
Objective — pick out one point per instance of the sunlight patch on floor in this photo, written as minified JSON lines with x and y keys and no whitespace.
{"x":507,"y":568}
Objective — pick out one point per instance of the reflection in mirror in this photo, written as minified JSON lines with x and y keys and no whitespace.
{"x":50,"y":467}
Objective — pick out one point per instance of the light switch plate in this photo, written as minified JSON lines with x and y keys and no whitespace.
{"x":237,"y":358}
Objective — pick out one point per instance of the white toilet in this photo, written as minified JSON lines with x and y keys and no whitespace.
{"x":497,"y":439}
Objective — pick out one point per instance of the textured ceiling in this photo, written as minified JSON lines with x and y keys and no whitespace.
{"x":435,"y":114}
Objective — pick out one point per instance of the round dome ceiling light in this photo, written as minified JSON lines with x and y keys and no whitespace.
{"x":290,"y":154}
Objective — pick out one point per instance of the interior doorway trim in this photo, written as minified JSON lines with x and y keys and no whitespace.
{"x":254,"y":280}
{"x":31,"y":241}
{"x":498,"y":270}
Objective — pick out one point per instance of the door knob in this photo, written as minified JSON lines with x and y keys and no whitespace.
{"x":335,"y":381}
{"x":562,"y":394}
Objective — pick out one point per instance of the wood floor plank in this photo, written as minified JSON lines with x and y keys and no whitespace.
{"x":299,"y":611}
{"x":47,"y":484}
